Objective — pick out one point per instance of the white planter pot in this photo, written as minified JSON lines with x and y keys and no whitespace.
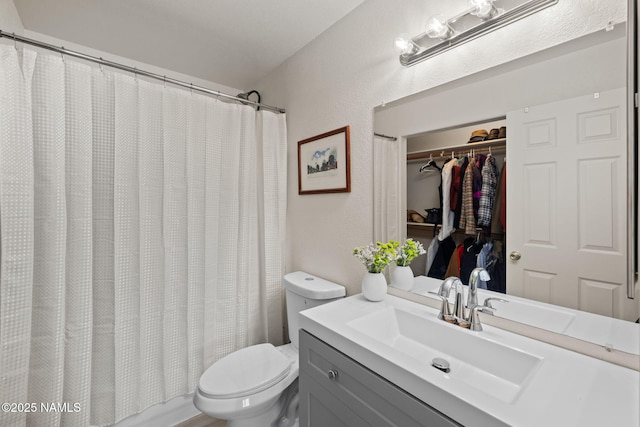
{"x":402,"y":278}
{"x":374,"y":286}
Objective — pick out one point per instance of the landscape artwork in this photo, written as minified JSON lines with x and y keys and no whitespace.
{"x":323,"y":163}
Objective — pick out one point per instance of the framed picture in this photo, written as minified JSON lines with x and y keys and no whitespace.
{"x":324,"y":164}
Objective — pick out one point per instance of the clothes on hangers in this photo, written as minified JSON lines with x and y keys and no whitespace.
{"x":488,"y":192}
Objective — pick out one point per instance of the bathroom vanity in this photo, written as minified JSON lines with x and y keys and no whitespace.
{"x":335,"y":390}
{"x":365,"y":363}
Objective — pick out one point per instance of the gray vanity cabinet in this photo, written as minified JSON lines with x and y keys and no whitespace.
{"x":336,"y":391}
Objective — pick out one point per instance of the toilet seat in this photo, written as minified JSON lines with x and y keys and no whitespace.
{"x":245,"y":372}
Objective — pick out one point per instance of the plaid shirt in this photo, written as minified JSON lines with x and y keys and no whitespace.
{"x":467,"y":219}
{"x":489,"y":184}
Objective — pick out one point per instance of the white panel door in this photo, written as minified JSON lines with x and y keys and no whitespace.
{"x":566,"y":204}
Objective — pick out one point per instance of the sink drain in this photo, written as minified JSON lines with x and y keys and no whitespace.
{"x":440,"y":364}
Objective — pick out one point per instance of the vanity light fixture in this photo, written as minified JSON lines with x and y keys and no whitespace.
{"x":437,"y":28}
{"x":482,"y":16}
{"x":483,"y":9}
{"x":405,"y":46}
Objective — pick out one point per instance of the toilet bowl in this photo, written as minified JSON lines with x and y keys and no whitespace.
{"x":258,"y":385}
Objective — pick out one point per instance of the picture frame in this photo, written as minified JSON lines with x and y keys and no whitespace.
{"x":324,"y":164}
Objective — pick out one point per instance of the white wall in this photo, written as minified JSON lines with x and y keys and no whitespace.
{"x":10,"y":21}
{"x":343,"y":74}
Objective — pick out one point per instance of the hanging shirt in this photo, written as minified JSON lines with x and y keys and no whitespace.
{"x":503,"y":201}
{"x":443,"y":256}
{"x":488,"y":191}
{"x":456,"y":190}
{"x":467,"y":219}
{"x":447,"y":214}
{"x":469,"y":259}
{"x":477,"y":182}
{"x":496,"y":225}
{"x":453,"y":270}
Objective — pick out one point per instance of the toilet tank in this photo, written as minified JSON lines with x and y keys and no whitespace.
{"x":303,"y":291}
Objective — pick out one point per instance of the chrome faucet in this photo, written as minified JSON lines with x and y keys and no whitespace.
{"x":472,"y":297}
{"x":459,"y":316}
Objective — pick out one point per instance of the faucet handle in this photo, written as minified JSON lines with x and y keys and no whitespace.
{"x":445,"y":312}
{"x":474,"y":319}
{"x":487,"y":302}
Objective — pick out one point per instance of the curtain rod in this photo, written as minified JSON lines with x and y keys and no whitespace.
{"x":392,"y":138}
{"x":134,"y":70}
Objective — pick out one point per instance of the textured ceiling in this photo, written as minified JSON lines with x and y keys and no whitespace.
{"x":231,"y":42}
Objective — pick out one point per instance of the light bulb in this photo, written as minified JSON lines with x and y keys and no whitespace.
{"x":483,"y":9}
{"x":438,"y":29}
{"x":404,"y":45}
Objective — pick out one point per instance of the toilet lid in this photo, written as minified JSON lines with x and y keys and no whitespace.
{"x":246,"y":371}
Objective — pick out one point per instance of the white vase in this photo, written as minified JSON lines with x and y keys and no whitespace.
{"x":402,"y":278}
{"x":374,"y":286}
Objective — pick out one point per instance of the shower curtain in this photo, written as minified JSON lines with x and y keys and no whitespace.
{"x":388,"y":187}
{"x":141,"y":234}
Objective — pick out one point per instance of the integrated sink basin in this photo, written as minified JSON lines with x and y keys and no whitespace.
{"x":474,"y":359}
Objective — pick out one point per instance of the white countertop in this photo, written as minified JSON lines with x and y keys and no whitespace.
{"x":567,"y":388}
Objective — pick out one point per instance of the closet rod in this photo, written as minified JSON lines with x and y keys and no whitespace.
{"x":392,"y":138}
{"x":134,"y":70}
{"x":441,"y":153}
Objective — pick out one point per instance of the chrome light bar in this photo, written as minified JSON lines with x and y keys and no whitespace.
{"x":468,"y":26}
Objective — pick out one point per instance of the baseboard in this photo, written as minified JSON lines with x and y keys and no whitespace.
{"x":171,"y":413}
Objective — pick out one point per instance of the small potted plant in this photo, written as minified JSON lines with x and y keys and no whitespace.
{"x":375,"y":258}
{"x":402,"y":275}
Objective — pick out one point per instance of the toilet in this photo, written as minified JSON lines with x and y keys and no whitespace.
{"x":258,"y":385}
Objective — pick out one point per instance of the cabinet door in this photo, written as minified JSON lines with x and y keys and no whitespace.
{"x":336,"y":390}
{"x":318,"y":407}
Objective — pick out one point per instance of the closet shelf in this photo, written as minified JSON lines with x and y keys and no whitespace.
{"x":494,"y":144}
{"x":422,"y":224}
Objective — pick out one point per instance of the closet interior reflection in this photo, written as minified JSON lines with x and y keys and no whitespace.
{"x":436,"y":178}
